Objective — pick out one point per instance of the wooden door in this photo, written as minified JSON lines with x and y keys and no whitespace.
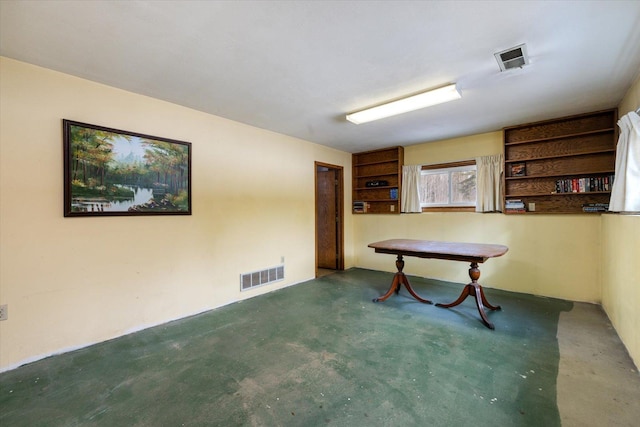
{"x":328,"y":217}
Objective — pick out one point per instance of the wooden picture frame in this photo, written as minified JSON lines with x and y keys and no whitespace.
{"x":111,"y":172}
{"x":518,"y":169}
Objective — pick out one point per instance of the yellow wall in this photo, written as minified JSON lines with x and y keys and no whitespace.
{"x":70,"y":282}
{"x":620,"y":284}
{"x":550,"y":255}
{"x":620,"y":255}
{"x":453,"y":150}
{"x":631,"y":100}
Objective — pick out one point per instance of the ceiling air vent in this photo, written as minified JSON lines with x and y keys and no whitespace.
{"x":515,"y":57}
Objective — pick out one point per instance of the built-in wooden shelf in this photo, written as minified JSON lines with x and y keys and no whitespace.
{"x":586,"y":153}
{"x":374,"y":166}
{"x":560,"y":175}
{"x":551,"y":138}
{"x":569,"y":150}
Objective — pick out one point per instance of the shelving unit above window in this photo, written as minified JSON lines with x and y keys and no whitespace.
{"x":564,"y":165}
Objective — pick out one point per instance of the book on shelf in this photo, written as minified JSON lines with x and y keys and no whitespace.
{"x":514,"y":204}
{"x":359,"y":207}
{"x":584,"y":185}
{"x":595,"y":207}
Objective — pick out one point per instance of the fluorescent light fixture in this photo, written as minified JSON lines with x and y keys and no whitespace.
{"x":404,"y":105}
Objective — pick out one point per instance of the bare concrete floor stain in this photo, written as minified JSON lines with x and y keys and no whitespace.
{"x":598,"y":384}
{"x":321,"y":353}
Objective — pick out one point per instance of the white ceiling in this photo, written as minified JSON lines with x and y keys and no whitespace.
{"x":297,"y":67}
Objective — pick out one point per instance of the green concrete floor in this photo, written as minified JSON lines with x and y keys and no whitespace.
{"x":318,"y":353}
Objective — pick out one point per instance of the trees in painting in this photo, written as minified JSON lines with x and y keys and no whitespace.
{"x":114,"y":171}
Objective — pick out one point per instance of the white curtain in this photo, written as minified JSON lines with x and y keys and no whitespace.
{"x":410,"y":189}
{"x":625,"y":194}
{"x":489,"y":183}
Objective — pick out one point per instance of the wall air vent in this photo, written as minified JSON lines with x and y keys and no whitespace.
{"x":261,"y":277}
{"x":515,"y":57}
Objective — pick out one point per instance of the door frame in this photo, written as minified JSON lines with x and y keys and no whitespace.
{"x":339,"y":210}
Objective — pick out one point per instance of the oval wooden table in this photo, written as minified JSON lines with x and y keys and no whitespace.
{"x":473,"y":253}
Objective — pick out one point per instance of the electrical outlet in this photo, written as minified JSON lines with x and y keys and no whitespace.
{"x":4,"y":313}
{"x":282,"y":259}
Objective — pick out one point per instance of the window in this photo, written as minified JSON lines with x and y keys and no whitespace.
{"x":448,"y":186}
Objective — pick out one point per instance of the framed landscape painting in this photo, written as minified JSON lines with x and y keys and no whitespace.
{"x":110,"y":172}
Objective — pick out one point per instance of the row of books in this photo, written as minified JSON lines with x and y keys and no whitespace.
{"x":514,"y":206}
{"x":584,"y":185}
{"x":595,"y":207}
{"x":517,"y":206}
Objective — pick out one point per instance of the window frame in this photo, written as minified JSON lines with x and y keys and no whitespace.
{"x":450,"y":208}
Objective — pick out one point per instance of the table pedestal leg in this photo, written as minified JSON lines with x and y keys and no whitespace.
{"x":400,"y":279}
{"x":474,"y":289}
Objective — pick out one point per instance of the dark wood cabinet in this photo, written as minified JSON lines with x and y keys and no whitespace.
{"x":377,"y":181}
{"x":564,"y":165}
